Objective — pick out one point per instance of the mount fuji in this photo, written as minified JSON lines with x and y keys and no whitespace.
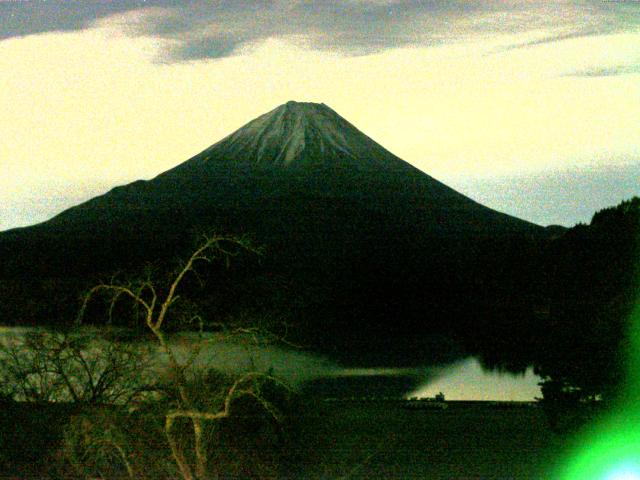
{"x":300,"y":135}
{"x":379,"y":258}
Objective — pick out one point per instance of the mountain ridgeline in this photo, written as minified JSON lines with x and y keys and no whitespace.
{"x":367,"y":257}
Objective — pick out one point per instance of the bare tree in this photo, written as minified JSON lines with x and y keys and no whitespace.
{"x":157,"y":302}
{"x":43,"y":366}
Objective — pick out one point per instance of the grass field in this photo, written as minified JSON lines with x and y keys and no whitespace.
{"x":355,"y":440}
{"x":359,"y":440}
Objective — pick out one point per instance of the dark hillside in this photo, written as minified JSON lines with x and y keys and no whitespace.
{"x":594,"y":284}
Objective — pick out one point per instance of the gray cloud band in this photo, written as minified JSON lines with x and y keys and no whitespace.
{"x":607,"y":71}
{"x":217,"y":29}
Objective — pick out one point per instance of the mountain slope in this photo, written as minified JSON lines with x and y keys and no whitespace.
{"x":367,"y":242}
{"x":300,"y":150}
{"x":300,"y":135}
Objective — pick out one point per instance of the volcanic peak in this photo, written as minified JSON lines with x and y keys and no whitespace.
{"x":299,"y":134}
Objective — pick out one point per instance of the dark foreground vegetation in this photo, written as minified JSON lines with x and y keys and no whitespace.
{"x":321,"y":440}
{"x":68,"y":441}
{"x":125,"y":416}
{"x":68,"y":414}
{"x":385,"y":440}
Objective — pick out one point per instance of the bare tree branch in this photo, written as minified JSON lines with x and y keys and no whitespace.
{"x":157,"y":303}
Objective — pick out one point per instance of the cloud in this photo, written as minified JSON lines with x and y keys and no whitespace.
{"x":546,"y":39}
{"x":209,"y":30}
{"x":606,"y":71}
{"x":21,"y":18}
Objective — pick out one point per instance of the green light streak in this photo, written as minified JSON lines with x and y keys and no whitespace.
{"x":610,"y":449}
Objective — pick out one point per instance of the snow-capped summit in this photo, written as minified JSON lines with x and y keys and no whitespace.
{"x":301,"y":135}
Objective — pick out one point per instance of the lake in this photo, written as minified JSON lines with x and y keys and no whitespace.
{"x":462,"y":380}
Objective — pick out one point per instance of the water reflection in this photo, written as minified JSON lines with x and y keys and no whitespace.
{"x":466,"y":380}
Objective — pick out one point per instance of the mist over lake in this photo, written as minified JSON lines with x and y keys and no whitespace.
{"x":461,"y":380}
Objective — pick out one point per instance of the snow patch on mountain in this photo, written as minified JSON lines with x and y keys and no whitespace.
{"x":301,"y":134}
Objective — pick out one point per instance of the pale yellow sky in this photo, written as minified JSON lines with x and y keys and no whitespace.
{"x":87,"y":110}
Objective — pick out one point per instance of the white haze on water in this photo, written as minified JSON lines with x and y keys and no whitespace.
{"x":463,"y":380}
